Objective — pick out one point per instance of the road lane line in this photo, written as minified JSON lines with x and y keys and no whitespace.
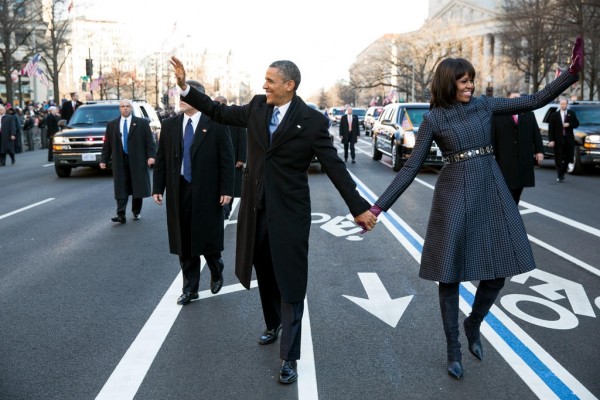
{"x":307,"y":373}
{"x":560,"y":218}
{"x":39,"y":203}
{"x":535,"y":366}
{"x":564,"y":255}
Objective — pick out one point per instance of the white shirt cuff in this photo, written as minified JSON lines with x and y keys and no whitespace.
{"x":185,"y":92}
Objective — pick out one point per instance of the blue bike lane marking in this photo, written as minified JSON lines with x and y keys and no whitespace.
{"x":546,"y":377}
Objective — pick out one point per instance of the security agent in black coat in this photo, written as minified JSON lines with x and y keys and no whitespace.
{"x":517,"y":144}
{"x":560,"y":136}
{"x":8,"y":132}
{"x":349,"y":132}
{"x":194,"y":207}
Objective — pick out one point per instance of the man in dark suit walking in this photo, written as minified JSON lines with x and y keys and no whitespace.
{"x":560,"y":136}
{"x":239,"y":142}
{"x":129,"y":143}
{"x":8,"y":135}
{"x":274,"y":218}
{"x":517,"y":144}
{"x":349,"y":132}
{"x":69,"y":107}
{"x":194,"y":164}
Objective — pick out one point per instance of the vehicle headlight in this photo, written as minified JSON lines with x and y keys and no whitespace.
{"x":592,"y":142}
{"x":409,"y":139}
{"x":60,"y":140}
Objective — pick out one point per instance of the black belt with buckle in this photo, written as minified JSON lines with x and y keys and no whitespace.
{"x":465,"y":155}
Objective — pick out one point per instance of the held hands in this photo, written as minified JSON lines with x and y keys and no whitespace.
{"x":158,"y":199}
{"x":577,"y":57}
{"x":368,"y":219}
{"x":224,"y":200}
{"x":179,"y":72}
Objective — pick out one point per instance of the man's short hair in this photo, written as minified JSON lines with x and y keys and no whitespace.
{"x":196,"y":85}
{"x":288,"y":70}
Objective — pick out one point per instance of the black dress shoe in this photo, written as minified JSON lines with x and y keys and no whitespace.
{"x":136,"y":217}
{"x":187,"y":297}
{"x":119,"y":218}
{"x":216,"y":282}
{"x":353,"y":162}
{"x":288,"y":372}
{"x":269,"y":336}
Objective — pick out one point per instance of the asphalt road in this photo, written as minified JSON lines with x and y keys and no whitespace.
{"x":87,"y":307}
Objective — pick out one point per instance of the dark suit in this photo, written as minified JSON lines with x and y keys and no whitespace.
{"x":7,"y":143}
{"x":51,"y":129}
{"x":275,"y":213}
{"x":515,"y":145}
{"x":564,"y":141}
{"x":349,"y":135}
{"x":67,"y":110}
{"x":130,"y":171}
{"x":239,"y":140}
{"x":194,"y":213}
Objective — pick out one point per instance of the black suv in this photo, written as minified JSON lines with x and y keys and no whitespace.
{"x":79,"y":144}
{"x":394,"y":134}
{"x":587,"y":135}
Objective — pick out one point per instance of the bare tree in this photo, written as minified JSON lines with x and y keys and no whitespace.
{"x":18,"y":21}
{"x":54,"y":47}
{"x":532,"y":36}
{"x":581,"y":18}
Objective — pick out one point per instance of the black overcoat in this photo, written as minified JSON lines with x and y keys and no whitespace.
{"x":555,"y":128}
{"x":475,"y":230}
{"x":212,"y":177}
{"x":515,"y":146}
{"x":239,"y":139}
{"x":278,"y":173}
{"x":7,"y":129}
{"x":141,"y":147}
{"x":349,"y":134}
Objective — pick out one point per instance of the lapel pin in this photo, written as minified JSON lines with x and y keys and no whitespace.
{"x":298,"y":126}
{"x":204,"y":130}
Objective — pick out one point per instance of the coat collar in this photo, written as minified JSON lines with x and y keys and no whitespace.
{"x":292,"y":123}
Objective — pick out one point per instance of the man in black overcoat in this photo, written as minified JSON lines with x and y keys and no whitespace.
{"x":68,"y":108}
{"x":517,"y":144}
{"x":194,"y":199}
{"x":129,"y":143}
{"x":275,"y":215}
{"x":239,"y":141}
{"x":349,"y":133}
{"x":8,"y":135}
{"x":560,"y":136}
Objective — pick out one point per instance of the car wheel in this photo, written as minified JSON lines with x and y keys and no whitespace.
{"x":396,"y":158}
{"x":578,"y":167}
{"x":63,"y":172}
{"x":375,"y":151}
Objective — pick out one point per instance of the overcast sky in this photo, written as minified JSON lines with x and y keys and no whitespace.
{"x":323,"y":37}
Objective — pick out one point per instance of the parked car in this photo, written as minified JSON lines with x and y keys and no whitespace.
{"x":371,"y":116}
{"x":587,"y":135}
{"x":360,"y":113}
{"x":394,"y":134}
{"x":79,"y":144}
{"x":335,"y":114}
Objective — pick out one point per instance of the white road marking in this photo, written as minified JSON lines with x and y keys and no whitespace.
{"x":307,"y":373}
{"x":39,"y":203}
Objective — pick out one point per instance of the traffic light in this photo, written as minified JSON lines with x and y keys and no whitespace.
{"x":89,"y":67}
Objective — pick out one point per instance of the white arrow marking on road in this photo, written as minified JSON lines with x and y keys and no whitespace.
{"x":379,"y":303}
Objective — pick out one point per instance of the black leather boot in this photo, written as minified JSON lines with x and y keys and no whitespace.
{"x":449,"y":306}
{"x":486,"y":295}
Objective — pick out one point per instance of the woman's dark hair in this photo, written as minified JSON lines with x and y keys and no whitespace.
{"x":443,"y":85}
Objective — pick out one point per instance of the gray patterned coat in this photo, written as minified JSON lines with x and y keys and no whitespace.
{"x":475,"y":231}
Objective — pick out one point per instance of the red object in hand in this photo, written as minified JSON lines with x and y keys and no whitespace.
{"x":577,"y":57}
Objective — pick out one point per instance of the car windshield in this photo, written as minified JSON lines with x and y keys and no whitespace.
{"x":588,"y":116}
{"x":416,"y":115}
{"x":97,"y":115}
{"x":360,"y":112}
{"x":338,"y":111}
{"x":377,"y":112}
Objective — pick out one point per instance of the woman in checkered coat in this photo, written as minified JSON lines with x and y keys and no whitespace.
{"x":475,"y":231}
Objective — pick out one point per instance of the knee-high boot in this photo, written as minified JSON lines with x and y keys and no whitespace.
{"x":486,"y":294}
{"x":448,"y":293}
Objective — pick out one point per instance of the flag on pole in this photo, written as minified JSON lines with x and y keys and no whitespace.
{"x":42,"y":76}
{"x":31,"y":68}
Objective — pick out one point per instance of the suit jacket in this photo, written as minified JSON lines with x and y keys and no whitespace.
{"x":67,"y":110}
{"x":515,"y":146}
{"x":276,"y":178}
{"x":7,"y":129}
{"x":555,"y":127}
{"x":349,"y":134}
{"x":212,"y":177}
{"x":140,"y":146}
